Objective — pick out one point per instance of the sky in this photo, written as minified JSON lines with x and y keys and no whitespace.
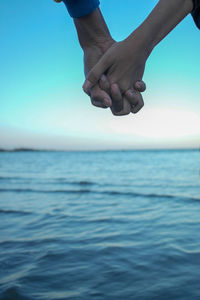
{"x":42,"y":104}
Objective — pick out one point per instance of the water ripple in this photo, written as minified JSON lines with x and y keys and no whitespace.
{"x":88,"y":191}
{"x":15,"y":212}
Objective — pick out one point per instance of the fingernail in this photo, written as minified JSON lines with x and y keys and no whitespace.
{"x":107,"y":102}
{"x":99,"y":104}
{"x":87,"y":86}
{"x":118,"y":108}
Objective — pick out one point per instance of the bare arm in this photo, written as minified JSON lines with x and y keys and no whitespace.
{"x":124,"y":62}
{"x":93,"y":31}
{"x":95,"y":39}
{"x":164,"y":18}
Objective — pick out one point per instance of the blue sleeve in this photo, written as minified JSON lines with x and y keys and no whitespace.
{"x":80,"y":8}
{"x":196,"y":13}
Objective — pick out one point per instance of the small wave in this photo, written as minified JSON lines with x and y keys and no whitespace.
{"x":9,"y":178}
{"x":61,"y":180}
{"x":13,"y":293}
{"x":86,"y":182}
{"x":19,"y":190}
{"x":30,"y":242}
{"x":81,"y":182}
{"x":18,"y":212}
{"x":51,"y":256}
{"x":112,"y":193}
{"x":186,"y":251}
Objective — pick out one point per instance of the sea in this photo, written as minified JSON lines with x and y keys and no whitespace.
{"x":100,"y":225}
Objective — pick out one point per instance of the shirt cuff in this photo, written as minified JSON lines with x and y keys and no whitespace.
{"x":196,"y":13}
{"x":80,"y":8}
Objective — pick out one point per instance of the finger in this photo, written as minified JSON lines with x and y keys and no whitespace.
{"x":132,"y":96}
{"x":140,"y":86}
{"x":135,"y":109}
{"x":117,"y":100}
{"x":104,"y":84}
{"x":98,"y":104}
{"x":95,"y":74}
{"x":100,"y":96}
{"x":125,"y":111}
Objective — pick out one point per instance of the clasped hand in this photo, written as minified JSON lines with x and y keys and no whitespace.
{"x":114,"y":75}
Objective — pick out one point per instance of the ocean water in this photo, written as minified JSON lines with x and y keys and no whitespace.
{"x":100,"y":225}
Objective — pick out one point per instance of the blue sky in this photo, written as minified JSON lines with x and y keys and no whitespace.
{"x":41,"y":100}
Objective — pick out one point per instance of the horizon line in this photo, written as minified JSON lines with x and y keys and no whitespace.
{"x":26,"y":149}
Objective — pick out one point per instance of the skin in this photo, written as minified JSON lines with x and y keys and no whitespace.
{"x":100,"y":92}
{"x":124,"y":62}
{"x":121,"y":73}
{"x":95,"y":40}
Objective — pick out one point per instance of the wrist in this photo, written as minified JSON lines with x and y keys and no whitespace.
{"x":89,"y":37}
{"x":93,"y":31}
{"x":139,"y":39}
{"x":102,"y":44}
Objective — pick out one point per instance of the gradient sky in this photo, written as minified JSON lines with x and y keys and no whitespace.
{"x":41,"y":100}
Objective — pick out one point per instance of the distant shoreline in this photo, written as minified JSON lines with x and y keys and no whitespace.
{"x":20,"y":150}
{"x":108,"y":150}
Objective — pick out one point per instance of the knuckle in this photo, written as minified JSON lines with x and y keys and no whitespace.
{"x":93,"y":77}
{"x":115,"y":91}
{"x":104,"y":85}
{"x":129,"y":94}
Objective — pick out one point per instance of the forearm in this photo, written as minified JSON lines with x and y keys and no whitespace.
{"x":92,"y":30}
{"x":163,"y":19}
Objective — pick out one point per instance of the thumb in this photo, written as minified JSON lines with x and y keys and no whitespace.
{"x":95,"y":74}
